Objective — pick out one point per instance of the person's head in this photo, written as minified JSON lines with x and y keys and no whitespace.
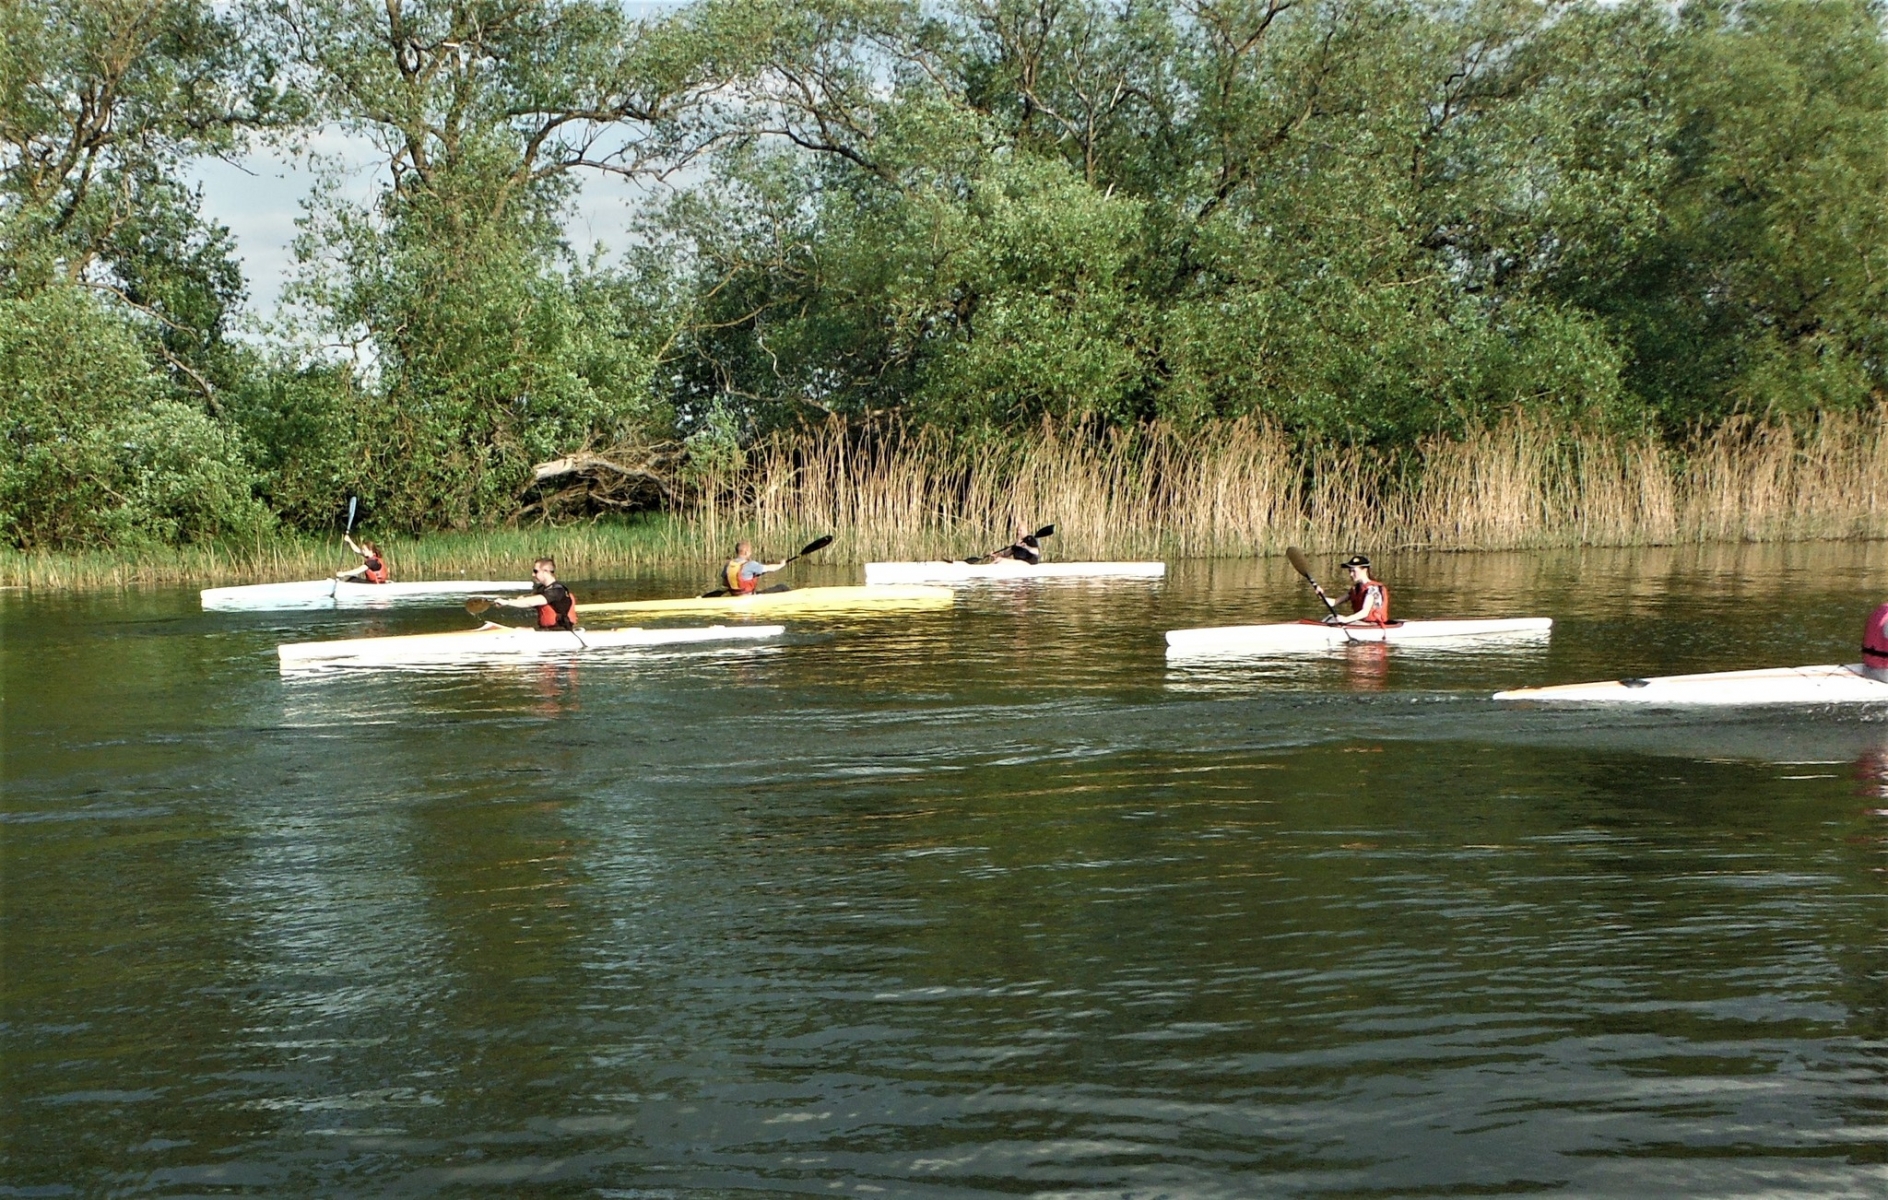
{"x":370,"y":547}
{"x":544,"y":570}
{"x":743,"y":549}
{"x":1358,"y":567}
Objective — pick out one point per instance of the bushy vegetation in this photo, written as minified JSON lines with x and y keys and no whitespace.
{"x":1365,"y":223}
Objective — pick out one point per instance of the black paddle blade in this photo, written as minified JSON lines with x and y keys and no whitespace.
{"x":1298,"y":562}
{"x":1045,"y":531}
{"x":819,"y":543}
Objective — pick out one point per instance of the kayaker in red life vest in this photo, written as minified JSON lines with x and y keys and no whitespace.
{"x":741,"y":575}
{"x":557,"y":608}
{"x":1025,"y":549}
{"x":1368,"y":598}
{"x":373,"y":568}
{"x":1875,"y":645}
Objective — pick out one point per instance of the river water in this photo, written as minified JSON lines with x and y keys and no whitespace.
{"x":974,"y":902}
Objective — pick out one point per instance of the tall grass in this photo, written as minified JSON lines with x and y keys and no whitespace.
{"x":1241,"y":487}
{"x":582,"y":551}
{"x":1244,"y":487}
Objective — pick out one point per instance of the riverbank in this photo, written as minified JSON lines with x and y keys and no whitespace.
{"x":1237,"y":489}
{"x":586,"y":550}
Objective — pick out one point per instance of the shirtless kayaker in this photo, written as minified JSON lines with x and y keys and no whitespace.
{"x":741,"y":574}
{"x":1875,"y":645}
{"x":1369,"y":599}
{"x":557,"y":608}
{"x":373,"y":568}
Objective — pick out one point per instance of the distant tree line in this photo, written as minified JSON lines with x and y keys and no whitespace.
{"x":1367,"y":220}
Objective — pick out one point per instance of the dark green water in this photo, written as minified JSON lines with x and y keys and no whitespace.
{"x":988,"y":901}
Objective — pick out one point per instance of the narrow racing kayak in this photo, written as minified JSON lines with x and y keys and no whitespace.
{"x":1833,"y":684}
{"x":1295,"y":637}
{"x":880,"y":574}
{"x":799,"y":600}
{"x":490,"y":641}
{"x":341,"y":593}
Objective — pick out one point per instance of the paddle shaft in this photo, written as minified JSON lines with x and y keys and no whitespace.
{"x":334,"y":589}
{"x":1299,"y":564}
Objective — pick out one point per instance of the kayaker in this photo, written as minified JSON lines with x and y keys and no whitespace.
{"x":1875,"y":645}
{"x":1369,"y":599}
{"x":373,"y":568}
{"x":1025,"y":549}
{"x":557,"y":608}
{"x":742,"y":574}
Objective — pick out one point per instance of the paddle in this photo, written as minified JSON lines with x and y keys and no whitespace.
{"x":334,"y":589}
{"x":1298,"y":562}
{"x":818,"y":543}
{"x":476,"y":605}
{"x":1045,"y":531}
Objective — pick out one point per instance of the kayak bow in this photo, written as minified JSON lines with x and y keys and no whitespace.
{"x":800,"y":600}
{"x":332,"y":593}
{"x":1302,"y":636}
{"x":880,"y":574}
{"x":1832,"y":684}
{"x":500,"y":641}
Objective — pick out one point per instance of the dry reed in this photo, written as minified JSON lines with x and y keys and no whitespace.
{"x":1243,"y":487}
{"x":1240,"y":487}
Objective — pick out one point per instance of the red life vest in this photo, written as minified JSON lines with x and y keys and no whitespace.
{"x":558,"y":611}
{"x":731,"y":576}
{"x":1356,"y":601}
{"x":1875,"y":639}
{"x":376,"y":571}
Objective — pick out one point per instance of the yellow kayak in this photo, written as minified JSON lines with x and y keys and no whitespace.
{"x":805,"y":600}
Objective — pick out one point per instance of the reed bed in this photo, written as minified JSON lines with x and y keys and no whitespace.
{"x":582,"y":551}
{"x":1244,"y":487}
{"x":1241,"y":487}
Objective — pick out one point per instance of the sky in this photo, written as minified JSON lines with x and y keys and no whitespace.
{"x":260,"y":196}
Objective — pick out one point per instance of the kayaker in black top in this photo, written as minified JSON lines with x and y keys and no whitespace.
{"x":373,"y":568}
{"x":1025,"y":549}
{"x":557,"y":608}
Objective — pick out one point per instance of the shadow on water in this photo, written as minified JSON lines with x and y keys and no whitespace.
{"x":984,"y":901}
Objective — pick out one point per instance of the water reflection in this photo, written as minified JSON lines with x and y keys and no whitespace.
{"x":982,"y":901}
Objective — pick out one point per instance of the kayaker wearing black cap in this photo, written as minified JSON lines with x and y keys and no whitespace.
{"x":1369,"y":599}
{"x":1875,"y":645}
{"x":557,"y":608}
{"x":1025,"y":549}
{"x":373,"y":568}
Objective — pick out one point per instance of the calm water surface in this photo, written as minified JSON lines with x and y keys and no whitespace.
{"x":984,"y":901}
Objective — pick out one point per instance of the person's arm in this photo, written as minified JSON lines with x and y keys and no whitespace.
{"x":528,"y":600}
{"x":352,"y":572}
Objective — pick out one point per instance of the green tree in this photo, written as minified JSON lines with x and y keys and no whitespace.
{"x":492,"y":345}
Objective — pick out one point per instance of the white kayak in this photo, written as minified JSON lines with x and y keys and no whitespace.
{"x":1004,"y":570}
{"x":491,"y":641}
{"x":1834,"y":684}
{"x":342,"y":593}
{"x":1299,"y":636}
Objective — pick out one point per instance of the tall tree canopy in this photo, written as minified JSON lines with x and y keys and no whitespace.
{"x":1365,"y":220}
